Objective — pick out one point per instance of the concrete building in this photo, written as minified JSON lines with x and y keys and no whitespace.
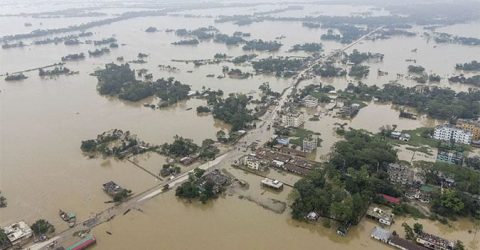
{"x":293,"y":119}
{"x":400,"y":174}
{"x":452,"y":157}
{"x":471,"y":126}
{"x":275,"y":184}
{"x":310,"y":143}
{"x":450,"y":133}
{"x":434,"y":242}
{"x":18,"y":233}
{"x":380,"y":215}
{"x":310,"y":101}
{"x":252,"y":162}
{"x":381,"y":234}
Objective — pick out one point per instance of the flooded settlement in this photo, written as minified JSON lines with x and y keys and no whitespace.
{"x":239,"y":124}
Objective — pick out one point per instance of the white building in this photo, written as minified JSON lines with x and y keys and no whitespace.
{"x":293,"y":120}
{"x":18,"y":232}
{"x":310,"y":101}
{"x":272,"y":183}
{"x":252,"y":162}
{"x":310,"y":143}
{"x":449,"y":133}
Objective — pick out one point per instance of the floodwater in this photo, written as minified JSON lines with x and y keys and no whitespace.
{"x":231,"y":223}
{"x":43,"y":121}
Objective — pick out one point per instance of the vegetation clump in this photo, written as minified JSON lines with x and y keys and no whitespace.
{"x":119,"y":80}
{"x":73,"y":57}
{"x":187,"y":42}
{"x":359,"y":71}
{"x":470,"y":66}
{"x":280,"y":66}
{"x":15,"y":77}
{"x":349,"y":182}
{"x":261,"y":45}
{"x":328,"y":70}
{"x":307,"y":47}
{"x":243,"y":58}
{"x":42,"y":227}
{"x":233,"y":110}
{"x":54,"y":72}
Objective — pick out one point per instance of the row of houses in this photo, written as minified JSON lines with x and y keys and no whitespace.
{"x":289,"y":162}
{"x":423,"y":241}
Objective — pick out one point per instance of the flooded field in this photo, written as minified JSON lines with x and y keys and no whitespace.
{"x":43,"y":121}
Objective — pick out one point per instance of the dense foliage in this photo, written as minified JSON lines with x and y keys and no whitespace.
{"x":261,"y":45}
{"x":119,"y":80}
{"x":41,"y":227}
{"x":280,"y":66}
{"x":352,"y":177}
{"x":233,"y":110}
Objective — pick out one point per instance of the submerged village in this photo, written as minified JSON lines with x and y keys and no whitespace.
{"x":343,"y":126}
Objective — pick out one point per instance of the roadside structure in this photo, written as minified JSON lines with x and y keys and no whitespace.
{"x":380,"y":215}
{"x":434,"y":242}
{"x":18,"y":233}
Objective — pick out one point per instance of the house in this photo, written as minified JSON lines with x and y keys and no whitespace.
{"x":449,"y":133}
{"x":111,"y":188}
{"x":187,"y":160}
{"x":17,"y":233}
{"x":381,"y":234}
{"x":252,"y":162}
{"x":283,"y":141}
{"x":395,"y":135}
{"x":349,"y":111}
{"x":450,"y":156}
{"x":434,"y":242}
{"x":380,"y":215}
{"x":310,"y":101}
{"x":293,"y":119}
{"x":404,"y":137}
{"x":400,"y":174}
{"x":312,"y":216}
{"x":391,"y":199}
{"x":275,"y":184}
{"x":404,"y":244}
{"x":343,"y":229}
{"x":310,"y":143}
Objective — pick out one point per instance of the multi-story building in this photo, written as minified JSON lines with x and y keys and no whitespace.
{"x":452,"y":157}
{"x":470,"y":126}
{"x":400,"y":174}
{"x":451,"y":133}
{"x":252,"y":162}
{"x":310,"y":101}
{"x":293,"y":119}
{"x":310,"y":143}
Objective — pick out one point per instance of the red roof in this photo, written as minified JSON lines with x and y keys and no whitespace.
{"x":391,"y":199}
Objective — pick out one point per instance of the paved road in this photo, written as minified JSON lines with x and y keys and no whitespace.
{"x":261,"y":134}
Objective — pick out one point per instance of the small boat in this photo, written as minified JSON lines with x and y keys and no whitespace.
{"x":188,"y":108}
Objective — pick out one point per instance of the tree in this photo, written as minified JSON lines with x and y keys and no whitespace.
{"x":459,"y":245}
{"x":448,"y":203}
{"x":198,"y":172}
{"x":409,"y":233}
{"x":418,"y":228}
{"x":3,"y":200}
{"x":41,"y":227}
{"x":221,"y":136}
